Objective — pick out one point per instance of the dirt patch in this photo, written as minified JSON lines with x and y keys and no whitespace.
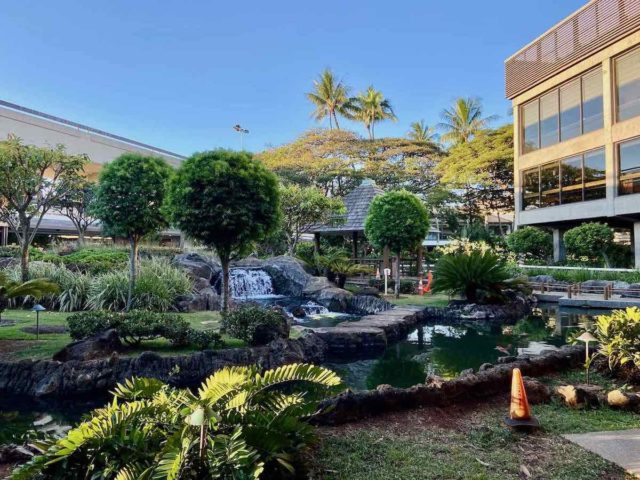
{"x":9,"y":347}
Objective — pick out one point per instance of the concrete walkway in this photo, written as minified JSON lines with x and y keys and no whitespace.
{"x":621,"y":447}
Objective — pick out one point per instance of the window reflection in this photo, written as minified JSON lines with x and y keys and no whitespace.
{"x":592,"y":118}
{"x":595,"y":182}
{"x":550,"y":185}
{"x":570,"y":110}
{"x":629,"y":162}
{"x":531,"y":189}
{"x":571,"y":169}
{"x":628,"y":85}
{"x":530,"y":117}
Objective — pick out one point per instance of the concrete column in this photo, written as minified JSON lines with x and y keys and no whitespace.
{"x":558,"y":245}
{"x":517,"y":187}
{"x":636,"y":243}
{"x":609,"y":153}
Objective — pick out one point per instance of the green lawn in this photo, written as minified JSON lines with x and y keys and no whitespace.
{"x":428,"y":300}
{"x":16,"y":344}
{"x":468,"y":443}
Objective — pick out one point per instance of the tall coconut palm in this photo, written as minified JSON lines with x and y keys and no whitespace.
{"x":421,"y":132}
{"x":330,"y":97}
{"x":370,"y":107}
{"x":463,"y":120}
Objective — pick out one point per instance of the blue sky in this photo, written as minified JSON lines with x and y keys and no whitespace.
{"x":179,"y":75}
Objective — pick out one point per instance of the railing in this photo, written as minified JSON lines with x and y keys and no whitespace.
{"x":573,"y":289}
{"x":408,"y":266}
{"x":597,"y":25}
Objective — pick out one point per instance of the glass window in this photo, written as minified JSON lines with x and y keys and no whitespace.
{"x":550,"y":185}
{"x":571,"y":175}
{"x":530,"y":120}
{"x":570,"y":110}
{"x":549,"y":127}
{"x":594,"y":175}
{"x":628,"y":86}
{"x":530,"y":189}
{"x":592,"y":102}
{"x":629,"y":158}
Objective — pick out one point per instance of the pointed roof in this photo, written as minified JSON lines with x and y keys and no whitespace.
{"x":357,"y":204}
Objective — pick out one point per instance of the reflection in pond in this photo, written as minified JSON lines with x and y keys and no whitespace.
{"x":447,"y":350}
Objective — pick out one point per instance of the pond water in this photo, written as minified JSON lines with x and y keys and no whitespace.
{"x":448,"y":350}
{"x":433,"y":349}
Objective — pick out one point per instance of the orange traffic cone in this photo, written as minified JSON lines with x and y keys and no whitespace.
{"x":519,"y":410}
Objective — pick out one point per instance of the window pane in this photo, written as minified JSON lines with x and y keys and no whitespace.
{"x":629,"y":154}
{"x":592,"y":101}
{"x":549,"y":119}
{"x":628,"y":86}
{"x":594,"y":175}
{"x":572,"y":180}
{"x":530,"y":122}
{"x":570,"y":110}
{"x":530,"y":189}
{"x":550,"y":185}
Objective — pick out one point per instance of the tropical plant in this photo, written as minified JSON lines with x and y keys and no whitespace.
{"x":75,"y":204}
{"x":36,"y":288}
{"x":330,"y":97}
{"x":128,"y":202}
{"x":340,"y":267}
{"x":531,"y":242}
{"x":480,"y":277}
{"x":370,"y":107}
{"x":592,"y":240}
{"x":32,"y":181}
{"x":421,"y":132}
{"x":463,"y":120}
{"x":619,"y":337}
{"x":397,"y":220}
{"x":239,"y":424}
{"x":227,"y":200}
{"x":249,"y":322}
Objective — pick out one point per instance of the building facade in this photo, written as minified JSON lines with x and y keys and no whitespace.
{"x":44,"y":130}
{"x":575,"y":92}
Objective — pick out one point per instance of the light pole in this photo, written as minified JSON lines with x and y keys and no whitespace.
{"x":586,"y":337}
{"x":242,"y":132}
{"x":38,"y":308}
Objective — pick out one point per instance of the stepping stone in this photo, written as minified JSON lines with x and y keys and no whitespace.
{"x":621,"y":447}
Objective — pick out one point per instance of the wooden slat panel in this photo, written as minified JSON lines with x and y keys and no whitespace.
{"x":594,"y":27}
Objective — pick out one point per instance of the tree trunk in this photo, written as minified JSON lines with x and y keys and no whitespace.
{"x":397,"y":289}
{"x":373,"y":135}
{"x":133,"y":263}
{"x":335,"y":119}
{"x":80,"y":242}
{"x":24,"y":261}
{"x":225,"y":284}
{"x":330,"y":122}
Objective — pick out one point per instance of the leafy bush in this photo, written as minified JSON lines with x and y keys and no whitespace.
{"x":239,"y":424}
{"x":407,"y":287}
{"x":479,"y":277}
{"x":582,"y":275}
{"x":619,"y":337}
{"x":531,"y":242}
{"x":96,"y":260}
{"x":591,"y":240}
{"x":245,"y":322}
{"x":109,"y":291}
{"x":136,"y":326}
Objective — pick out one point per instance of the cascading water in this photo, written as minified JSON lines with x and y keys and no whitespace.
{"x":250,"y":283}
{"x":312,"y":308}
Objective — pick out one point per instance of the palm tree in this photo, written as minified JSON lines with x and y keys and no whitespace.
{"x":421,"y":132}
{"x":370,"y":107}
{"x":36,"y":288}
{"x":463,"y":120}
{"x":331,"y":97}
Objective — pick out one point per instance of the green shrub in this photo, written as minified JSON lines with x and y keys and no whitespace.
{"x":478,"y":277}
{"x":109,"y":291}
{"x":582,"y":275}
{"x":619,"y":337}
{"x":590,"y":240}
{"x":136,"y":326}
{"x":245,"y":321}
{"x":531,"y":242}
{"x":407,"y":287}
{"x":96,"y":260}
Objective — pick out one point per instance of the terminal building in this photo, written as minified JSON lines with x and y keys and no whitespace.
{"x":44,"y":130}
{"x":575,"y":92}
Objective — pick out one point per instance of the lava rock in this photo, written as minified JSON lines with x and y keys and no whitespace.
{"x":537,"y":392}
{"x":485,"y":366}
{"x":266,"y":333}
{"x":367,"y":304}
{"x":623,"y":400}
{"x":287,"y":274}
{"x":99,"y":346}
{"x":198,"y":266}
{"x":580,"y":396}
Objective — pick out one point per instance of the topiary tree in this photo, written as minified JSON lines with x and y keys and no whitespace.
{"x":129,"y":202}
{"x":398,"y":220}
{"x":589,"y":240}
{"x":532,"y":242}
{"x":227,"y":200}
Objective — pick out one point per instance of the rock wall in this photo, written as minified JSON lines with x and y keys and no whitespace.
{"x":518,"y":307}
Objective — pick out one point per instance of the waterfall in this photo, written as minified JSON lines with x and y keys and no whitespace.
{"x":312,"y":308}
{"x":250,"y":283}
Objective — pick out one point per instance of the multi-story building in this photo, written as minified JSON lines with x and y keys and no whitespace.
{"x":576,"y":109}
{"x":41,"y":129}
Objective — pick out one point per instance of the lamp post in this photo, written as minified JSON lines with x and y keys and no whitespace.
{"x":242,"y":132}
{"x":38,"y":308}
{"x":587,"y":337}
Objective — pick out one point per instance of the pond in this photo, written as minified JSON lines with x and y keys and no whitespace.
{"x":448,"y":350}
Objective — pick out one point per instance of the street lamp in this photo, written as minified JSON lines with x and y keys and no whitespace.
{"x":38,"y":308}
{"x":242,"y":132}
{"x":586,"y":337}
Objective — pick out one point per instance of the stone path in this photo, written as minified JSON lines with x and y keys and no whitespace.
{"x":621,"y":447}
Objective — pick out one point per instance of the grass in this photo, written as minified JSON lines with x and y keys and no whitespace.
{"x":428,"y":300}
{"x":18,"y":345}
{"x":469,"y":442}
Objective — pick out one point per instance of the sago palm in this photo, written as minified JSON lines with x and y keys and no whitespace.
{"x":463,"y":120}
{"x":421,"y":132}
{"x":330,"y":97}
{"x":370,"y":107}
{"x":240,"y":423}
{"x":36,"y":288}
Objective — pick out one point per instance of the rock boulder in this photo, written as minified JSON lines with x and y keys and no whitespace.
{"x":99,"y":346}
{"x":198,"y":266}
